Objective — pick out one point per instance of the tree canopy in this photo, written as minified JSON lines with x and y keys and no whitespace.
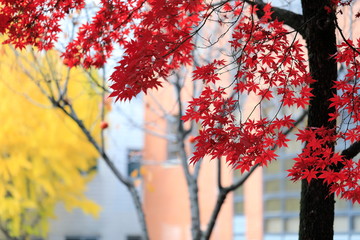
{"x":43,"y":156}
{"x":284,"y":58}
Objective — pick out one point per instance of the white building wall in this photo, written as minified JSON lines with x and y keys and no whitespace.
{"x":118,"y":218}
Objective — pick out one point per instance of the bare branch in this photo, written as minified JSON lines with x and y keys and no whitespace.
{"x":219,"y":174}
{"x":102,"y":111}
{"x":190,"y":179}
{"x":219,"y":202}
{"x":181,"y":131}
{"x":344,"y":38}
{"x":351,"y":151}
{"x":127,"y":182}
{"x":94,"y":80}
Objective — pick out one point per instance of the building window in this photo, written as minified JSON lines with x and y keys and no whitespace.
{"x":134,"y":157}
{"x":133,"y":237}
{"x":292,"y":225}
{"x":281,"y":200}
{"x":81,"y":238}
{"x":239,"y":219}
{"x":282,"y":205}
{"x":239,"y":198}
{"x":356,"y":223}
{"x":274,"y":225}
{"x":173,"y":145}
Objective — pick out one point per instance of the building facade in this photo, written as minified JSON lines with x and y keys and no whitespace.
{"x":166,"y":191}
{"x":118,"y":219}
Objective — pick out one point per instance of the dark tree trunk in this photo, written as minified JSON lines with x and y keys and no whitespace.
{"x":317,"y":206}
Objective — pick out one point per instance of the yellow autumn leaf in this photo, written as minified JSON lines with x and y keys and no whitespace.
{"x":143,"y":170}
{"x":150,"y":187}
{"x":134,"y":173}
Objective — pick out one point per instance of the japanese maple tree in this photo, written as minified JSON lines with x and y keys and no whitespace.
{"x":266,"y":59}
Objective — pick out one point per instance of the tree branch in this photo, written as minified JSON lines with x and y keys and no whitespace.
{"x":6,"y":233}
{"x":351,"y":151}
{"x":58,"y":100}
{"x":219,"y":174}
{"x":245,"y":177}
{"x":191,"y":179}
{"x":129,"y":184}
{"x":223,"y":191}
{"x":344,"y":38}
{"x":219,"y":202}
{"x":293,"y":20}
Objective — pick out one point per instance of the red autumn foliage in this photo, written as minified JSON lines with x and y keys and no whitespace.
{"x":157,"y":37}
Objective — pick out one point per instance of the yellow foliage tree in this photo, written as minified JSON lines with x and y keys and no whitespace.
{"x":44,"y":156}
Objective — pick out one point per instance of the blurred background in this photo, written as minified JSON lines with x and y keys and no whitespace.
{"x":76,"y":165}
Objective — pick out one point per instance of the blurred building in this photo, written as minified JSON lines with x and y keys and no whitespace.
{"x":118,"y":219}
{"x":268,"y":206}
{"x":265,"y":208}
{"x":166,"y":193}
{"x":280,"y":201}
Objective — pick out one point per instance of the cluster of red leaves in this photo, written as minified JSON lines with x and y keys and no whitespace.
{"x":156,"y":36}
{"x":347,"y":104}
{"x":221,"y":136}
{"x":95,"y":40}
{"x":318,"y":160}
{"x":161,"y":44}
{"x":347,"y":100}
{"x":34,"y":22}
{"x":208,"y":72}
{"x":268,"y":59}
{"x":267,"y":64}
